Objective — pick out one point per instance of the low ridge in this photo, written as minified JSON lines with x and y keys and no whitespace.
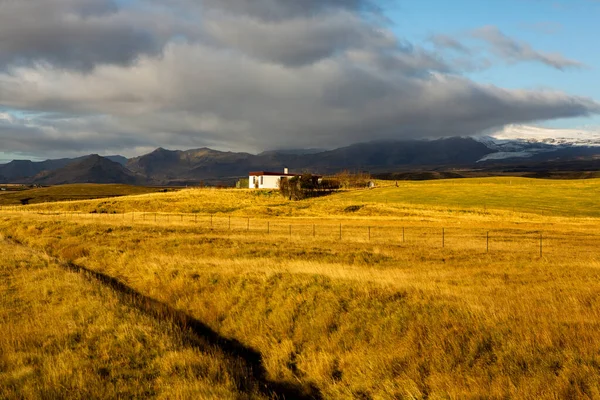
{"x":91,"y":169}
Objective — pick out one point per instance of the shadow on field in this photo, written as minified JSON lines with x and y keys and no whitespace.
{"x":249,"y":360}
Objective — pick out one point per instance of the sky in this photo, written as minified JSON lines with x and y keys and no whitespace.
{"x":128,"y":76}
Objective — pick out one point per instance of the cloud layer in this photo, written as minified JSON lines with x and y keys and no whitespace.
{"x":513,"y":50}
{"x":81,"y":76}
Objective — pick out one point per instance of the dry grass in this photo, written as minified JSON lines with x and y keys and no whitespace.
{"x":472,"y":196}
{"x":70,"y":192}
{"x":360,"y":318}
{"x":64,"y":337}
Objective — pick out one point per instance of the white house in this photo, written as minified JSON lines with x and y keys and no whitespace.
{"x":267,"y":180}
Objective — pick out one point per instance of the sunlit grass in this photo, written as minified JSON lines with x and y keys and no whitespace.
{"x":482,"y":195}
{"x":552,"y":197}
{"x":64,"y":337}
{"x":402,"y":313}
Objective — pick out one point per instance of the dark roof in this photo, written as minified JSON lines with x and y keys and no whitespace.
{"x":264,"y":173}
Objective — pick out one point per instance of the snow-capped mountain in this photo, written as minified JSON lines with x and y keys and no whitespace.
{"x":522,"y":141}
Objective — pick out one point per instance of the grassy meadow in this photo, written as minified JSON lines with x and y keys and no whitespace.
{"x":69,"y":193}
{"x":548,"y":197}
{"x":61,"y":336}
{"x":414,"y":301}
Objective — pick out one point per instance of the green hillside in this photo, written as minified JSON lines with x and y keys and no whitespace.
{"x":565,"y":197}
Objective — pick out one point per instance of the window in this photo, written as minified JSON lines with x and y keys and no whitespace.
{"x":261,"y":180}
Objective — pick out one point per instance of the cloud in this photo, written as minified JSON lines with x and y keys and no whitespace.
{"x":448,"y":42}
{"x":81,"y":34}
{"x":59,"y":136}
{"x":513,"y":50}
{"x":273,"y":10}
{"x":298,"y":41}
{"x":235,"y":75}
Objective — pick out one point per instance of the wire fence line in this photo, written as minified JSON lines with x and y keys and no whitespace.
{"x":480,"y":240}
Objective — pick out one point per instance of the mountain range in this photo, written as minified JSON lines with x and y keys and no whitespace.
{"x":515,"y":148}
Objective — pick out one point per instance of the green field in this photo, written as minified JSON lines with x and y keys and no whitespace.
{"x":552,"y":197}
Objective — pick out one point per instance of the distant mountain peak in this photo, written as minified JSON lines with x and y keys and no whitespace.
{"x":90,"y":169}
{"x":550,"y":136}
{"x":525,"y":141}
{"x":189,"y":167}
{"x":160,"y":150}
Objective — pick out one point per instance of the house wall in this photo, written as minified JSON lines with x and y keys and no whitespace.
{"x":264,"y":182}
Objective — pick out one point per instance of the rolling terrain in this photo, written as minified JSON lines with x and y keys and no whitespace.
{"x":20,"y":170}
{"x":408,"y":159}
{"x":412,"y":291}
{"x":92,"y":169}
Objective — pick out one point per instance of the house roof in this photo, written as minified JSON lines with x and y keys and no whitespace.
{"x":265,"y":173}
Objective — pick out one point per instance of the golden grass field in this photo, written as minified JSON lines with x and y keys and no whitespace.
{"x":63,"y":337}
{"x":404,"y":313}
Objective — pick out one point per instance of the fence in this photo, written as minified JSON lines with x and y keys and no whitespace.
{"x":477,"y":240}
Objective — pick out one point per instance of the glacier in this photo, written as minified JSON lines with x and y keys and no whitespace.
{"x":523,"y":141}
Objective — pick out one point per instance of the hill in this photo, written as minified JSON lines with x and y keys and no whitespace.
{"x":22,"y":169}
{"x":91,"y":169}
{"x":169,"y":167}
{"x":408,"y":159}
{"x":383,"y":156}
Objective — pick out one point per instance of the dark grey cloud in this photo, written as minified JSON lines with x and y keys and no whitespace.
{"x":80,"y":34}
{"x":63,"y":136}
{"x":298,"y":41}
{"x":96,"y":76}
{"x":512,"y":50}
